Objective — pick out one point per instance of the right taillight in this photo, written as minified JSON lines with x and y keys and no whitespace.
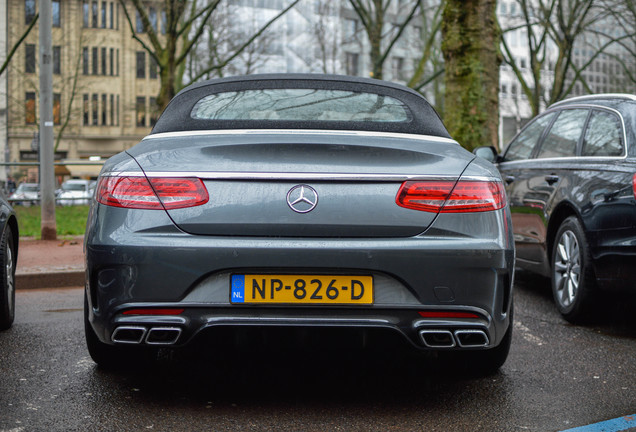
{"x":634,"y":185}
{"x":151,"y":194}
{"x":452,"y":197}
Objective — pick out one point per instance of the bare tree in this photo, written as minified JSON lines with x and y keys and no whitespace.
{"x":325,"y":32}
{"x":374,"y":15}
{"x":553,"y":30}
{"x":185,"y":23}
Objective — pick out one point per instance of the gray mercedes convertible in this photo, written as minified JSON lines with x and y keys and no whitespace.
{"x":299,"y":202}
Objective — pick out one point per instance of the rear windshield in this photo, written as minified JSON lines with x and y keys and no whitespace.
{"x":301,"y":105}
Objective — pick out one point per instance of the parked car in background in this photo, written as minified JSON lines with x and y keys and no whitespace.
{"x":76,"y":192}
{"x":8,"y":260}
{"x":26,"y":194}
{"x":570,"y":177}
{"x":299,"y":204}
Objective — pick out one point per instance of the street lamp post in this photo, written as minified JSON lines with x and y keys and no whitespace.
{"x":47,"y":173}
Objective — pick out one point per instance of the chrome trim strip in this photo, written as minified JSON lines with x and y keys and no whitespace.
{"x":299,"y":132}
{"x":229,"y":175}
{"x":625,"y":96}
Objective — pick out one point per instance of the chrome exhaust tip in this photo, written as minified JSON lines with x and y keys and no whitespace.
{"x":163,"y":335}
{"x":471,"y":338}
{"x":129,"y":335}
{"x":438,"y":338}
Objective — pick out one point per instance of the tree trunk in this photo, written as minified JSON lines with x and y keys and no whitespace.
{"x":470,"y":45}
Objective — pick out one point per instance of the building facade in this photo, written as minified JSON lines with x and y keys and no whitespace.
{"x":103,"y":85}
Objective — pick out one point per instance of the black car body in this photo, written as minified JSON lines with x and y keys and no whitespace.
{"x":570,"y":180}
{"x":8,"y":259}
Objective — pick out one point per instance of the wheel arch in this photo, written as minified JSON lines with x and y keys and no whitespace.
{"x":563,"y":211}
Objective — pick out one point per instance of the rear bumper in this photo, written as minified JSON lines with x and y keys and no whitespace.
{"x":193,"y":272}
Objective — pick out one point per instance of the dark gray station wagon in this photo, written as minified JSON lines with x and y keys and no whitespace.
{"x":301,"y":202}
{"x":570,"y":177}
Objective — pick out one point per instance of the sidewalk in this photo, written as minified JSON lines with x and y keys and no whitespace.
{"x":50,"y":263}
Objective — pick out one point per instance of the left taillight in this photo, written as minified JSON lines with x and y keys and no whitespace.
{"x":151,"y":194}
{"x":452,"y":197}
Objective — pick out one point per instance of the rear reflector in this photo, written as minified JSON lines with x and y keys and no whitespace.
{"x":451,"y":197}
{"x":153,"y":194}
{"x":445,"y":314}
{"x":151,"y":311}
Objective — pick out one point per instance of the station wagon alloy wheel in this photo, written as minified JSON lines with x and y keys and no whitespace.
{"x":567,"y":269}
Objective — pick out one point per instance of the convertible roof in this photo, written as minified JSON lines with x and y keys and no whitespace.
{"x":178,"y":115}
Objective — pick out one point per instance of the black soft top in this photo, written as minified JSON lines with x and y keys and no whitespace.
{"x":180,"y":114}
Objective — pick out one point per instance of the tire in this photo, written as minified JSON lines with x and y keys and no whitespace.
{"x":112,"y":357}
{"x":573,"y":279}
{"x":7,"y":279}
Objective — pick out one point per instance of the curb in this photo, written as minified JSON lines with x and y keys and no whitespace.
{"x":62,"y":279}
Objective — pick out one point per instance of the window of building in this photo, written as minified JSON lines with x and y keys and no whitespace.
{"x":104,"y":106}
{"x":141,"y":64}
{"x":103,"y":14}
{"x":95,"y":61}
{"x":140,"y":108}
{"x":112,"y":61}
{"x":112,"y":18}
{"x":94,"y":17}
{"x":29,"y":11}
{"x":117,"y":59}
{"x":152,"y":68}
{"x":104,"y":68}
{"x":57,"y":60}
{"x":164,"y":22}
{"x":351,"y":28}
{"x":57,"y":108}
{"x":29,"y":108}
{"x":397,"y":68}
{"x":55,"y":11}
{"x":85,"y":14}
{"x":117,"y":113}
{"x":154,"y":111}
{"x":352,"y":63}
{"x":139,"y":25}
{"x":29,"y":58}
{"x":152,"y":16}
{"x":112,"y":109}
{"x":85,"y":61}
{"x":86,"y":110}
{"x":95,"y":108}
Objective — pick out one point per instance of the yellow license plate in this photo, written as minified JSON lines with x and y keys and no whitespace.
{"x":306,"y":289}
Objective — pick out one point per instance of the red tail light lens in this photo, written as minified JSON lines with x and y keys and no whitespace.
{"x":451,"y":197}
{"x":151,"y":194}
{"x":634,"y":185}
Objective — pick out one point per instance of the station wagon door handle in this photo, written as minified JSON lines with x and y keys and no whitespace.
{"x":509,"y":179}
{"x":551,"y":179}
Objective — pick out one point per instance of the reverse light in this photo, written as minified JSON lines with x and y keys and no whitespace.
{"x":450,"y":197}
{"x":151,"y":194}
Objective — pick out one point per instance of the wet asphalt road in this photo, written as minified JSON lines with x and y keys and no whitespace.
{"x":558,"y":376}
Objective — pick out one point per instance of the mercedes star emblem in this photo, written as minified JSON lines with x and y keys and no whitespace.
{"x":302,"y":199}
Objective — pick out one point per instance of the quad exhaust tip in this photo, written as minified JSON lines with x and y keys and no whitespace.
{"x":129,"y":335}
{"x":163,"y":335}
{"x":136,"y":335}
{"x":464,"y":338}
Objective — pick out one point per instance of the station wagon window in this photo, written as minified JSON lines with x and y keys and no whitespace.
{"x":301,"y":105}
{"x":603,"y":136}
{"x":522,"y":146}
{"x":564,"y":134}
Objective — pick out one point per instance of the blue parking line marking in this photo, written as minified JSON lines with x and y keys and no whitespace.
{"x":614,"y":425}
